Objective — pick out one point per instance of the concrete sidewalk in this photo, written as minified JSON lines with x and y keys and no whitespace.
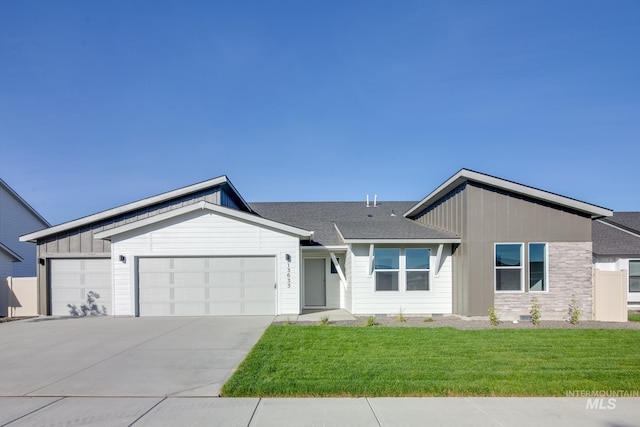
{"x":254,"y":412}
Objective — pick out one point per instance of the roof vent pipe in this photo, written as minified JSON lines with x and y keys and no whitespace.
{"x":368,"y":200}
{"x":375,"y":200}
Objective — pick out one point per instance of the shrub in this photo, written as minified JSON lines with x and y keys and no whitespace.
{"x":494,"y":320}
{"x":574,"y":311}
{"x":324,"y":320}
{"x":429,"y":319}
{"x":371,"y":321}
{"x":535,"y":311}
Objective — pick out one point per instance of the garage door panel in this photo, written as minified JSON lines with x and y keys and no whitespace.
{"x":72,"y":279}
{"x":206,"y":286}
{"x":189,"y":294}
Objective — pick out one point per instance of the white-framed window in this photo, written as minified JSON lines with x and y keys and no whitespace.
{"x":387,"y":269}
{"x":634,"y":275}
{"x":417,"y":268}
{"x":508,"y":266}
{"x":538,"y":267}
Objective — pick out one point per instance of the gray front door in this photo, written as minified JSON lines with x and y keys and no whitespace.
{"x":315,"y":289}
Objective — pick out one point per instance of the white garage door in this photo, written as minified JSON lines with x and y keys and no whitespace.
{"x":207,"y":286}
{"x":73,"y":279}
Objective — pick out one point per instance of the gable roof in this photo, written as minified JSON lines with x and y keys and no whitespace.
{"x":232,"y":213}
{"x":465,"y":175}
{"x":618,"y":235}
{"x":140,"y":204}
{"x":337,"y":223}
{"x":23,"y":202}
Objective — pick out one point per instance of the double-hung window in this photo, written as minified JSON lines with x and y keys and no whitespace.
{"x":537,"y":267}
{"x":508,"y":266}
{"x":634,"y":276}
{"x":387,"y":269}
{"x":417,"y":269}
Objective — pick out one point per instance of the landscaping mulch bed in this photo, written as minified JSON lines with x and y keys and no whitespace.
{"x":474,"y":323}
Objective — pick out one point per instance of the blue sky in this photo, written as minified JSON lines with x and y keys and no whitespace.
{"x":107,"y":102}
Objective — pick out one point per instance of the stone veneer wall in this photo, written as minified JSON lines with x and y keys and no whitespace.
{"x":570,"y":274}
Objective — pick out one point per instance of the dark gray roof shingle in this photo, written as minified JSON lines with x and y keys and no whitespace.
{"x":354,"y":219}
{"x":608,"y":240}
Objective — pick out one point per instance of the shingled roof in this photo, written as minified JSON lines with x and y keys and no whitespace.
{"x":354,"y":220}
{"x":618,"y":235}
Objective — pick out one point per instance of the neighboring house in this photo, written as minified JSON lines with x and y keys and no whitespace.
{"x":616,"y":247}
{"x":17,"y":259}
{"x":476,"y":241}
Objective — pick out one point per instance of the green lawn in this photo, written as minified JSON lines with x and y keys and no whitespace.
{"x":634,"y":317}
{"x":378,"y":361}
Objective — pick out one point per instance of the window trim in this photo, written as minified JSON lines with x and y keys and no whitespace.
{"x":521,"y":268}
{"x":629,"y":277}
{"x":546,"y":267}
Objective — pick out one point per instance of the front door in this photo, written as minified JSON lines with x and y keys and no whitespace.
{"x":315,"y":282}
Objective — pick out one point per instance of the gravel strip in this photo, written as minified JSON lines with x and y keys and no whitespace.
{"x":469,"y":324}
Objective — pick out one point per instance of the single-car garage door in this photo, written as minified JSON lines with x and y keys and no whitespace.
{"x":73,"y":279}
{"x":206,"y":286}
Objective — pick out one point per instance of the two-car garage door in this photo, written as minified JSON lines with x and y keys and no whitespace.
{"x":206,"y":286}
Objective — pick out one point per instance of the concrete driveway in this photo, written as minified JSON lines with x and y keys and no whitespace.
{"x":124,"y":357}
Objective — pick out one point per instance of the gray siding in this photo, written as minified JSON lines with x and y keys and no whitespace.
{"x":79,"y":242}
{"x":483,"y":216}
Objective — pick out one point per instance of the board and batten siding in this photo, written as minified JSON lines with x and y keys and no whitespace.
{"x":204,"y":233}
{"x":482,"y":216}
{"x":438,"y":300}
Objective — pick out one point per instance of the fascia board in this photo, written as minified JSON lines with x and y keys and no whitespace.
{"x":11,"y":253}
{"x":204,"y":206}
{"x":624,"y":230}
{"x":32,"y":237}
{"x":467,"y":175}
{"x":24,"y":202}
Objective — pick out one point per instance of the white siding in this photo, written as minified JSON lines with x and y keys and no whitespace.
{"x":16,"y":220}
{"x":345,"y":295}
{"x":334,"y":289}
{"x":438,"y":300}
{"x":204,"y":233}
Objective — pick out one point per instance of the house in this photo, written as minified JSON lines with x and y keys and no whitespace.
{"x":616,"y":247}
{"x":474,"y":242}
{"x":17,"y":259}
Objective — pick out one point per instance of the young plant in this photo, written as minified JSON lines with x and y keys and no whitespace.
{"x":289,"y":321}
{"x":371,"y":321}
{"x":574,"y":311}
{"x":324,"y":320}
{"x":400,"y":317}
{"x":494,"y":320}
{"x":429,"y":320}
{"x":535,"y":311}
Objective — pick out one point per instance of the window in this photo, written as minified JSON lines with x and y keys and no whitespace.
{"x":387,"y":268}
{"x":417,"y":268}
{"x":537,"y":267}
{"x":334,"y":270}
{"x":508,"y":266}
{"x":634,"y":276}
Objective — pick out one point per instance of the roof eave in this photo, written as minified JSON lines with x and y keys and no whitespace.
{"x":24,"y":202}
{"x":402,"y":241}
{"x":109,"y":213}
{"x":11,"y":253}
{"x":464,"y":175}
{"x":107,"y":234}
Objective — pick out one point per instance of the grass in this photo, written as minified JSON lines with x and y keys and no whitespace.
{"x":348,"y":361}
{"x":634,"y":317}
